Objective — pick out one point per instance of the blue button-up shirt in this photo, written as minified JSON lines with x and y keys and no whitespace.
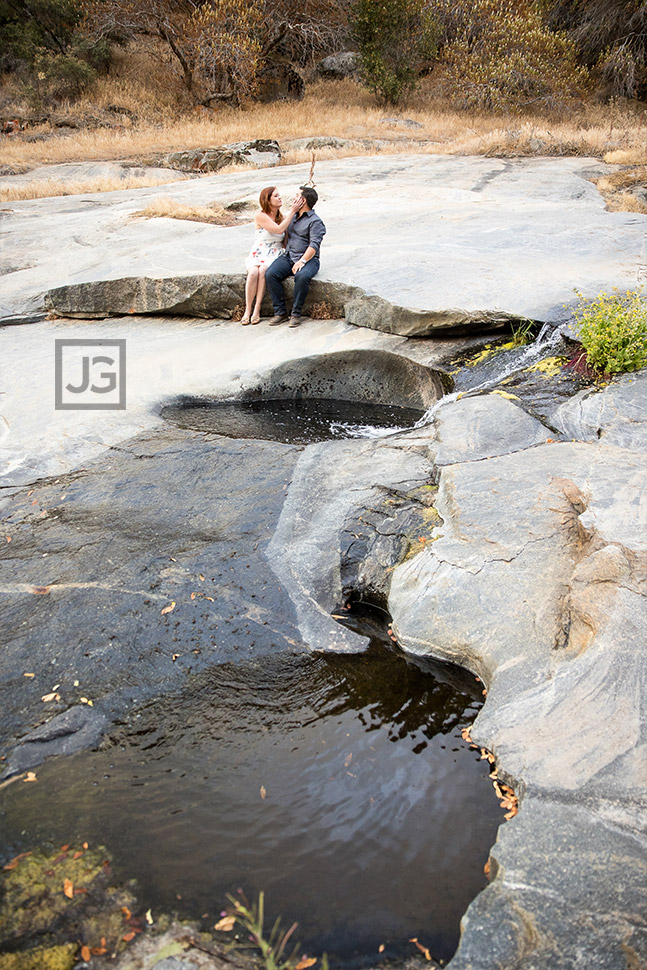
{"x":306,"y":229}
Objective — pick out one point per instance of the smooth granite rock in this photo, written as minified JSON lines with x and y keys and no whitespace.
{"x":536,"y":580}
{"x":462,"y":238}
{"x":617,"y":415}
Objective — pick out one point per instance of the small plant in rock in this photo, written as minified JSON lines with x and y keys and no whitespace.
{"x":613,"y":331}
{"x":273,"y":947}
{"x":523,"y":332}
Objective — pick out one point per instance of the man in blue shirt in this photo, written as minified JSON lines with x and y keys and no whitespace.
{"x":301,"y":260}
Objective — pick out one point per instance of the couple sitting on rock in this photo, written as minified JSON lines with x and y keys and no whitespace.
{"x":283,"y":246}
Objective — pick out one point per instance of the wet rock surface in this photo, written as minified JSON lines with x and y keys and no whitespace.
{"x":97,"y":557}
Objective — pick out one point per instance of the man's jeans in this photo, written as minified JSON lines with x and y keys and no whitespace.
{"x":279,"y":270}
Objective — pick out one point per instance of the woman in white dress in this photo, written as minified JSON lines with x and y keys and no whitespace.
{"x":270,"y":226}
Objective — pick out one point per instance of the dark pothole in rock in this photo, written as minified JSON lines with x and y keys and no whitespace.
{"x":299,"y":422}
{"x":349,"y":394}
{"x":338,"y":785}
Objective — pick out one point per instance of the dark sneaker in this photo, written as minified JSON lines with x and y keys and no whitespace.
{"x":295,"y":321}
{"x":277,"y":319}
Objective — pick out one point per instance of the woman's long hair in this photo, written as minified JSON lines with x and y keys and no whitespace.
{"x":264,"y":200}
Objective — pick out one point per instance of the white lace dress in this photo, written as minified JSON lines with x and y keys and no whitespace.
{"x":267,"y":246}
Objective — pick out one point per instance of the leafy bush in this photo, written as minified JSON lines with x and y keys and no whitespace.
{"x":499,"y":55}
{"x":613,"y":331}
{"x":394,"y":38}
{"x":43,"y":43}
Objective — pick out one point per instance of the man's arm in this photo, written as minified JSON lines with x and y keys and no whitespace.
{"x":307,"y":256}
{"x":316,"y":232}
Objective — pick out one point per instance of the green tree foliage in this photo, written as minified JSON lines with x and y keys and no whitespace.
{"x":498,"y":54}
{"x":611,"y":37}
{"x":395,"y":38}
{"x":43,"y":44}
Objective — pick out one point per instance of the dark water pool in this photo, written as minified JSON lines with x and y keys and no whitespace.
{"x":338,"y":785}
{"x":297,"y":421}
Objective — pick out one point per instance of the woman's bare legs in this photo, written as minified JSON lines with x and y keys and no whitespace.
{"x":260,"y":293}
{"x":251,"y":286}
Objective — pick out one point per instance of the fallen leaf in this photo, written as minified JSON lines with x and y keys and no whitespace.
{"x":68,"y":888}
{"x":192,"y":596}
{"x":40,"y":590}
{"x":85,"y":845}
{"x":263,"y":792}
{"x":76,"y":683}
{"x":305,"y":962}
{"x":174,"y":657}
{"x":126,"y":912}
{"x":380,"y":948}
{"x":210,"y":598}
{"x":168,"y":609}
{"x":81,"y":891}
{"x":127,"y":937}
{"x":226,"y":924}
{"x":423,"y":949}
{"x":30,"y":776}
{"x":149,"y":917}
{"x":201,"y":578}
{"x":486,"y":870}
{"x":29,"y":675}
{"x":77,"y":854}
{"x":505,"y":394}
{"x":50,"y":697}
{"x":14,"y":862}
{"x":98,"y":951}
{"x":85,"y":953}
{"x":8,"y":538}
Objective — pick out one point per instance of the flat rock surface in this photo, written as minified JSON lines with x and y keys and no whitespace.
{"x":428,"y":232}
{"x":165,"y":359}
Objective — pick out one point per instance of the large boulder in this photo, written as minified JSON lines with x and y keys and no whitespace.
{"x":536,"y":580}
{"x":338,"y":66}
{"x":261,"y":153}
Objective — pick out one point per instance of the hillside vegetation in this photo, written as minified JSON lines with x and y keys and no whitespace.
{"x":133,"y":79}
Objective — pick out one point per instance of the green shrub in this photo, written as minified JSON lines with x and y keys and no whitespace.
{"x":613,"y":331}
{"x":500,"y":56}
{"x":395,"y":38}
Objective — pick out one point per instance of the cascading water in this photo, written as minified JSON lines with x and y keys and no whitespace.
{"x":499,"y":368}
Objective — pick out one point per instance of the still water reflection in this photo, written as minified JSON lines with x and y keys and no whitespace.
{"x":375,"y":823}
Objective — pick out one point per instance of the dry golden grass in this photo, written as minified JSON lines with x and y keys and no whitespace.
{"x":44,"y":188}
{"x":616,"y":189}
{"x":167,"y":208}
{"x":156,"y":118}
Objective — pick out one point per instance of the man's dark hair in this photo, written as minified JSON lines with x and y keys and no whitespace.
{"x":309,"y":195}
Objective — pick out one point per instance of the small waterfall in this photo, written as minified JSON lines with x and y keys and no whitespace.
{"x":545,"y":344}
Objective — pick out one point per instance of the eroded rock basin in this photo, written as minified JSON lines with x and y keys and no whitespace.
{"x":339,"y":786}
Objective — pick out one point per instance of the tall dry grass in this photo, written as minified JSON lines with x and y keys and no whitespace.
{"x":47,"y":188}
{"x":151,"y":116}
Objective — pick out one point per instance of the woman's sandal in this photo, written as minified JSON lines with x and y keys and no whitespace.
{"x":255,"y":320}
{"x":245,"y":321}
